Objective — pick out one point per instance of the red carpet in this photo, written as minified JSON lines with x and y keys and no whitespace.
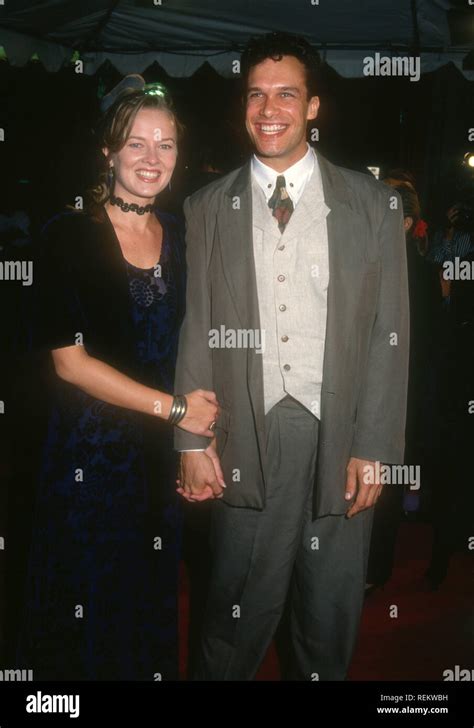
{"x":433,"y":632}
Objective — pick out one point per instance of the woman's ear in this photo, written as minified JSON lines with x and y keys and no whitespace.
{"x":407,"y":223}
{"x":106,"y":153}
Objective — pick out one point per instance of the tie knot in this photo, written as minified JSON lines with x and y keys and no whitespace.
{"x":280,"y":203}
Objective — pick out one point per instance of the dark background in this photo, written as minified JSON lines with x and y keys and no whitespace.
{"x":48,"y":156}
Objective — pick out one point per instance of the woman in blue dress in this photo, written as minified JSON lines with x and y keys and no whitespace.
{"x":101,"y":594}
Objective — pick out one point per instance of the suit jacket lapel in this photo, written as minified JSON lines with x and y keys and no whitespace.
{"x":236,"y":236}
{"x":235,"y":225}
{"x":346,"y":234}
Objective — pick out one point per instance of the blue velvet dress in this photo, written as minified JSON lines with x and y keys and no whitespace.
{"x":101,"y":595}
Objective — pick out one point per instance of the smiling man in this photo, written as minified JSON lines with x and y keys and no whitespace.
{"x":278,"y":107}
{"x":312,"y":255}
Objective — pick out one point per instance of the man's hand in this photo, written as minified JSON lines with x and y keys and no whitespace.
{"x":360,"y":481}
{"x":212,"y":454}
{"x":200,"y":475}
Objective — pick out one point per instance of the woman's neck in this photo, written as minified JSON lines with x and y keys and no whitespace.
{"x":130,"y":220}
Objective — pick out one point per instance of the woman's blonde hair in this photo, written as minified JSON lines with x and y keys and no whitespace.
{"x":115,"y":127}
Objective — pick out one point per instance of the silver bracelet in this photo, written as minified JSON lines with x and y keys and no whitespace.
{"x":178,"y":409}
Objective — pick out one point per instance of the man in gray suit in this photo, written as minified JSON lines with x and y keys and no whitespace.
{"x":297,"y":317}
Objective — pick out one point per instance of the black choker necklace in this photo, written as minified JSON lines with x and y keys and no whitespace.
{"x":130,"y":206}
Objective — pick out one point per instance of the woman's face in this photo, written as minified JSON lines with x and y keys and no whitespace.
{"x":144,"y":166}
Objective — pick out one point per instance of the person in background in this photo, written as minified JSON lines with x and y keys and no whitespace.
{"x":452,"y":513}
{"x":101,"y":593}
{"x":422,"y":286}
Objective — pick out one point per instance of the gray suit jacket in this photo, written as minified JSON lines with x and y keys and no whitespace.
{"x":365,"y":372}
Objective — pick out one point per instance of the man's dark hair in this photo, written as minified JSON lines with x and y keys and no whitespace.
{"x":275,"y":46}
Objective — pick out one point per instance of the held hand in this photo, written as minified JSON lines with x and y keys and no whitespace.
{"x":360,"y":483}
{"x":198,"y":479}
{"x":203,"y":409}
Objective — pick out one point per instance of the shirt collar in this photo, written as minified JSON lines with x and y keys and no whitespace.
{"x":296,"y":176}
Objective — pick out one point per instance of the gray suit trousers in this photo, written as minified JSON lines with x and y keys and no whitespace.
{"x":261,"y":558}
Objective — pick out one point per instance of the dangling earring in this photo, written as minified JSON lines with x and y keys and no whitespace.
{"x":110,"y":177}
{"x":169,"y":186}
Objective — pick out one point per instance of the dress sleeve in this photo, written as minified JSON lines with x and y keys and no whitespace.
{"x":58,"y":320}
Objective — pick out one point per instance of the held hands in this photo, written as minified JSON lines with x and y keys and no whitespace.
{"x":200,"y":475}
{"x":201,"y":478}
{"x":360,"y":485}
{"x":203,"y":409}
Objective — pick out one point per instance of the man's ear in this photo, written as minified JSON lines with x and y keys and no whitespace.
{"x":313,"y":107}
{"x":407,"y":223}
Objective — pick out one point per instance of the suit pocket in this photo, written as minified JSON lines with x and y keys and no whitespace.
{"x":366,"y":289}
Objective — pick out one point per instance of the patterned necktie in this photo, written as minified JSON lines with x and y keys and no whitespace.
{"x":280,"y":203}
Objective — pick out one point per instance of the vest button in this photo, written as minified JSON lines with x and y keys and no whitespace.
{"x":281,"y":278}
{"x":281,"y":247}
{"x":284,"y":338}
{"x":286,"y":367}
{"x":282,"y":307}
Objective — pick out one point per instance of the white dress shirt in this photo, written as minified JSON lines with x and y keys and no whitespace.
{"x":295,"y":176}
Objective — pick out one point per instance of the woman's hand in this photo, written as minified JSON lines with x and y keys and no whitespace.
{"x":203,"y":409}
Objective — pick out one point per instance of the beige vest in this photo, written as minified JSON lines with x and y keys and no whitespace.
{"x":292,"y":271}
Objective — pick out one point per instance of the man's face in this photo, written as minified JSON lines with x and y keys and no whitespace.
{"x":277,"y":111}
